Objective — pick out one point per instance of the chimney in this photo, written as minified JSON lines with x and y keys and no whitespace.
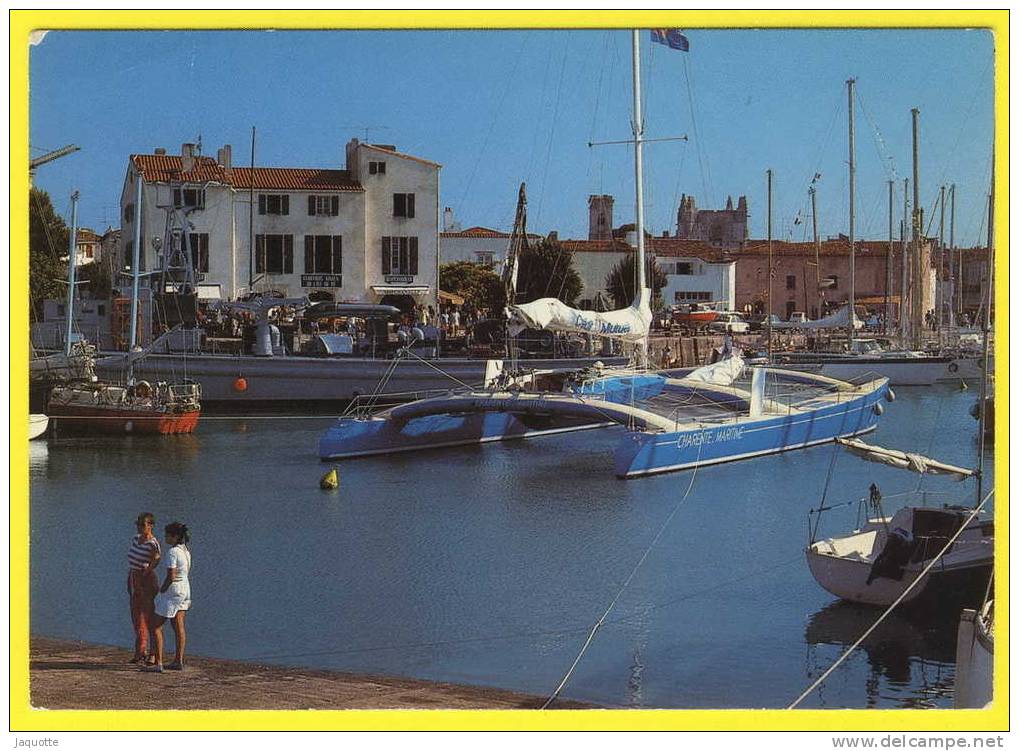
{"x":160,"y":152}
{"x":223,"y":158}
{"x":187,"y":157}
{"x":447,"y":219}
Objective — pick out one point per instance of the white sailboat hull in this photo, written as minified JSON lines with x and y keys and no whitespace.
{"x":37,"y":425}
{"x":974,"y":660}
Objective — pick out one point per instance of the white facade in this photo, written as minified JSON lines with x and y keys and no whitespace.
{"x":692,"y":279}
{"x":315,"y":230}
{"x":477,"y":245}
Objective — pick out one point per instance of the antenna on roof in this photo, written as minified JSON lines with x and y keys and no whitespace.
{"x":367,"y":128}
{"x":198,"y":145}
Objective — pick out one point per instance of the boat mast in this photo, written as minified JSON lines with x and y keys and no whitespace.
{"x":638,"y":170}
{"x":135,"y":274}
{"x":72,"y":270}
{"x":987,"y":336}
{"x":771,"y":269}
{"x":889,"y":258}
{"x":251,"y":218}
{"x":817,"y":252}
{"x":852,"y":212}
{"x":956,"y":305}
{"x":903,"y":284}
{"x":939,"y":295}
{"x":916,"y":279}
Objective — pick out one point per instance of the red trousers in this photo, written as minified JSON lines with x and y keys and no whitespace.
{"x":143,"y":590}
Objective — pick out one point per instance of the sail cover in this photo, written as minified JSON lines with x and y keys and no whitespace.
{"x":837,"y":320}
{"x":627,"y":324}
{"x":903,"y":460}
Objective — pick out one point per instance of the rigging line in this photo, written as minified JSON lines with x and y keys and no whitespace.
{"x":541,"y":100}
{"x":495,"y":118}
{"x":696,"y":131}
{"x":626,"y":583}
{"x":597,"y":104}
{"x":551,"y":133}
{"x":879,"y":142}
{"x":842,"y":658}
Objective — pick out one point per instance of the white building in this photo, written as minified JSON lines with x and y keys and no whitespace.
{"x":365,"y":233}
{"x":694,"y":271}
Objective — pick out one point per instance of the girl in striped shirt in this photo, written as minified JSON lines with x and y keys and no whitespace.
{"x":142,"y":583}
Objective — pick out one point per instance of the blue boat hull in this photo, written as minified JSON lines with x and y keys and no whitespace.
{"x":649,"y":453}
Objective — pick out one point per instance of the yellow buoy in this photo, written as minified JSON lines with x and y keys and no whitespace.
{"x":330,"y":480}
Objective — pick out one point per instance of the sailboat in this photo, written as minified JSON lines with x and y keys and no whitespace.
{"x":137,"y":406}
{"x":891,"y":560}
{"x":671,"y":420}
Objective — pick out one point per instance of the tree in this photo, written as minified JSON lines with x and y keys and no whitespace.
{"x":48,"y":238}
{"x":621,"y":281}
{"x":546,"y":270}
{"x":480,"y":287}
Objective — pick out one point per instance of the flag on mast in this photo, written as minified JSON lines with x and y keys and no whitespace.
{"x":671,"y":37}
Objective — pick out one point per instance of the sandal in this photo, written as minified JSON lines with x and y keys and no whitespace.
{"x":175,"y":666}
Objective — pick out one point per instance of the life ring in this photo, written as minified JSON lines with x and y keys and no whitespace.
{"x":143,"y":389}
{"x":953,"y":367}
{"x":240,"y":384}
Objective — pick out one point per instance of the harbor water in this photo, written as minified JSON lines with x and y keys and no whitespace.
{"x":490,"y":565}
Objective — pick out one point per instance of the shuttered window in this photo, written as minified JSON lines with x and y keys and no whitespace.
{"x":274,"y":254}
{"x":400,"y":256}
{"x":273,"y":204}
{"x":403,"y":205}
{"x":323,"y":205}
{"x":323,"y":254}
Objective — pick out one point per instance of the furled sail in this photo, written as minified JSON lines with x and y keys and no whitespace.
{"x":630,"y":324}
{"x":903,"y":460}
{"x":837,"y":320}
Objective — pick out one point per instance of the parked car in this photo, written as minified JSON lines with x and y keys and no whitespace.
{"x":760,"y":323}
{"x":729,"y":323}
{"x":798,"y":317}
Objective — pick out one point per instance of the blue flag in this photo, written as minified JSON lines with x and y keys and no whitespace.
{"x":672,"y":37}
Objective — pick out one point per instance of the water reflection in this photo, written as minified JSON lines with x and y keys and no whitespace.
{"x":910,"y":656}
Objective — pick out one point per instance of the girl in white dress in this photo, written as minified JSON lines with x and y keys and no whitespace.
{"x":174,"y":596}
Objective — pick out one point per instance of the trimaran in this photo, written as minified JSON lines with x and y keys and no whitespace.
{"x":671,"y":420}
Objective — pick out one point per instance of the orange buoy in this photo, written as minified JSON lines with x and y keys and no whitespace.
{"x":240,"y":384}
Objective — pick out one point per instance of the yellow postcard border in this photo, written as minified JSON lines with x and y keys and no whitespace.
{"x":23,"y":717}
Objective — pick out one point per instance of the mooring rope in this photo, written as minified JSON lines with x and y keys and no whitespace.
{"x":598,"y":624}
{"x":934,"y":561}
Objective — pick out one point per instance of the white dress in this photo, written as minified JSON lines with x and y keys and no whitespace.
{"x":178,"y":594}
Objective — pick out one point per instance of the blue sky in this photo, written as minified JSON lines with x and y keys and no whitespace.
{"x":500,"y":107}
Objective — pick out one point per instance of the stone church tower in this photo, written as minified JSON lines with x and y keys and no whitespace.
{"x":599,"y":217}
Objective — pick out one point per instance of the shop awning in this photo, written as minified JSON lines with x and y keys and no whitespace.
{"x":386,"y":289}
{"x":877,"y":300}
{"x":450,"y":297}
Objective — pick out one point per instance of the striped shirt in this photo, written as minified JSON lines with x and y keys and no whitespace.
{"x":140,"y":552}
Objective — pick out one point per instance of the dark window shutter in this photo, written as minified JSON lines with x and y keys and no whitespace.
{"x":261,"y":204}
{"x":337,"y":254}
{"x":309,"y":254}
{"x":403,"y":256}
{"x":373,"y":167}
{"x":397,"y":204}
{"x":260,"y":254}
{"x":413,"y":255}
{"x":288,"y":254}
{"x":335,"y":202}
{"x":382,"y":168}
{"x":410,"y":205}
{"x":311,"y":205}
{"x":386,"y":251}
{"x":286,"y":205}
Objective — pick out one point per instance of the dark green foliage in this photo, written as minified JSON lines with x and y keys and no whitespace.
{"x":621,"y":281}
{"x":546,"y":270}
{"x":48,"y":238}
{"x":480,"y":287}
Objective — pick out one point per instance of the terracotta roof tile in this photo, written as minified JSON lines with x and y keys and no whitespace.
{"x":163,"y":168}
